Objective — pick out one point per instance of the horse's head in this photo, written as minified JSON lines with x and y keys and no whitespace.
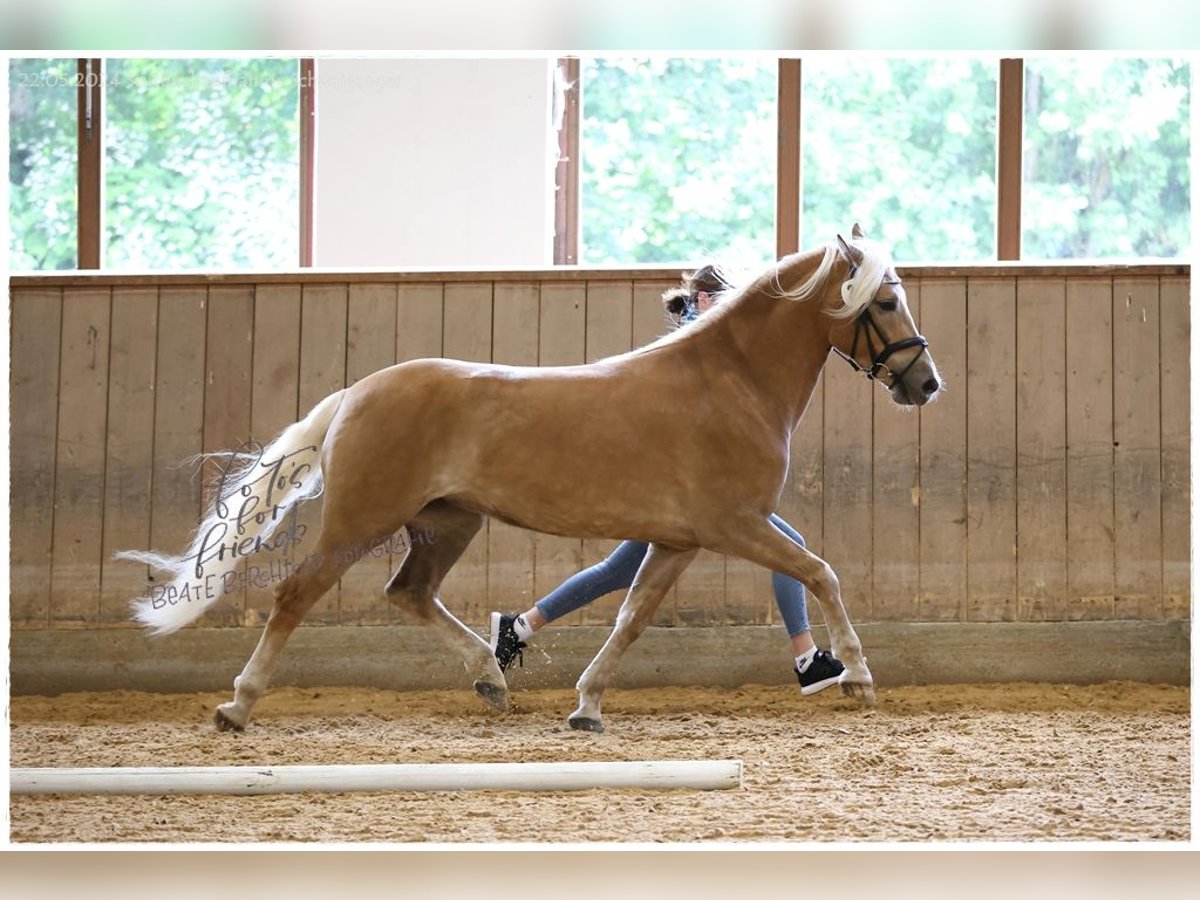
{"x":874,"y":330}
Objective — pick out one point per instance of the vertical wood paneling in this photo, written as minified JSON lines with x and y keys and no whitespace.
{"x":699,"y":593}
{"x":563,"y":317}
{"x":1089,"y":371}
{"x":991,"y":449}
{"x":274,"y":405}
{"x":1051,"y":479}
{"x":467,"y":322}
{"x":419,"y":315}
{"x":608,"y":331}
{"x":649,"y":318}
{"x":848,"y":484}
{"x":229,"y":354}
{"x":609,"y":316}
{"x":468,"y":335}
{"x":896,"y":522}
{"x":943,"y":434}
{"x":1137,"y":461}
{"x":370,"y":346}
{"x":1175,"y":366}
{"x":510,"y":549}
{"x":229,"y":350}
{"x":322,"y":372}
{"x":1041,"y":450}
{"x":275,"y":390}
{"x":322,"y":343}
{"x":179,"y":376}
{"x":749,"y":595}
{"x":129,"y":452}
{"x":79,"y":479}
{"x":33,"y":429}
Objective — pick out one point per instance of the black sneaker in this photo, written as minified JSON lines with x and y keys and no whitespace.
{"x":824,"y":669}
{"x":505,"y":643}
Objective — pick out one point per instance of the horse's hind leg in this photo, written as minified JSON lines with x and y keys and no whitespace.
{"x":657,"y":573}
{"x":294,"y":597}
{"x":440,"y":533}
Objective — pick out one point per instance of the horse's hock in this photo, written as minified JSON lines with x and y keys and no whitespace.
{"x":1032,"y":524}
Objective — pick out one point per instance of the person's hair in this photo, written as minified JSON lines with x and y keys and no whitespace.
{"x":709,"y":278}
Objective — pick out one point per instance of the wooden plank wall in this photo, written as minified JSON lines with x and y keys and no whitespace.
{"x":1050,"y":482}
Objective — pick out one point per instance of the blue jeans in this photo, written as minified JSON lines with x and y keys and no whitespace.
{"x":616,"y":573}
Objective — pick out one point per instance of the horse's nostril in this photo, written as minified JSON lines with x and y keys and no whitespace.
{"x":930,"y":387}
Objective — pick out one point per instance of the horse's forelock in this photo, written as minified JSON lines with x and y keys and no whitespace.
{"x":871,"y":271}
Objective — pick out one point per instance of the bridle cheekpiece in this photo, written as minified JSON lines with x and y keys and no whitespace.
{"x":866,"y":326}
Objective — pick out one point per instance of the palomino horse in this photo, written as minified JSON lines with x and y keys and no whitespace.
{"x":683,"y":443}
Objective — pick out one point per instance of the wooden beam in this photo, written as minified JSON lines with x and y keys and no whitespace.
{"x":308,"y":136}
{"x":90,"y":144}
{"x":1008,"y":167}
{"x":787,"y":182}
{"x":578,"y":275}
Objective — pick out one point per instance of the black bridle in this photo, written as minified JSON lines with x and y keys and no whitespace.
{"x":865,"y":325}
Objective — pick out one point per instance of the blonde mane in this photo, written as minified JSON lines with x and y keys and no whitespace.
{"x":857,"y":291}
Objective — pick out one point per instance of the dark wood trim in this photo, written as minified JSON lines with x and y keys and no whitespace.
{"x":308,"y":146}
{"x":566,"y":172}
{"x":656,"y":272}
{"x":1008,"y":163}
{"x":90,"y":150}
{"x":789,"y":163}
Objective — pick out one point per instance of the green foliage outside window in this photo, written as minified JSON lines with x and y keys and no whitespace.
{"x":42,"y":163}
{"x":1106,"y":158}
{"x":677,"y":160}
{"x":202,"y":164}
{"x":907,"y":148}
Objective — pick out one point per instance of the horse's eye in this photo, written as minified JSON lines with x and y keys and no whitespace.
{"x":887,"y":305}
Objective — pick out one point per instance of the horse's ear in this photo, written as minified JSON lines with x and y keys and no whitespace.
{"x":856,"y":232}
{"x":853,"y":255}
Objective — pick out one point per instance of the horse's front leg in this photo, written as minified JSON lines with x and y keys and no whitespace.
{"x":654,"y":578}
{"x":761,"y":542}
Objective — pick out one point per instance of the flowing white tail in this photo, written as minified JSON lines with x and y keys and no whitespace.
{"x":253,"y":499}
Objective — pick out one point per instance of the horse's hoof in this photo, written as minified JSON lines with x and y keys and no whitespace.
{"x":863,"y":693}
{"x":224,"y":723}
{"x":585,"y":723}
{"x":494,"y":695}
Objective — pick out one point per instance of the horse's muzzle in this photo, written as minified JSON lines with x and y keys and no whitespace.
{"x":919,"y":385}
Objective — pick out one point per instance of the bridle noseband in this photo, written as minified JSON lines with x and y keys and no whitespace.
{"x":865,"y":325}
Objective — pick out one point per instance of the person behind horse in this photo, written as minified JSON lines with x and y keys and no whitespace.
{"x":815,"y":669}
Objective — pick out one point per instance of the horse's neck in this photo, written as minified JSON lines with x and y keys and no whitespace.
{"x":783,"y":345}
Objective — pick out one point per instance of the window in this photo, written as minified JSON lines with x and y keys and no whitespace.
{"x":202,"y":164}
{"x":1106,"y":155}
{"x":678,"y":160}
{"x":208,"y":163}
{"x":42,"y":166}
{"x":907,"y":148}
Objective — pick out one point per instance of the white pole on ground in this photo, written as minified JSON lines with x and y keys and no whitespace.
{"x":704,"y":775}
